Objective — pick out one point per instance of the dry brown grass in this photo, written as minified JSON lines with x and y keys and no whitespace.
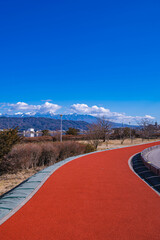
{"x":117,"y":143}
{"x":28,"y":155}
{"x":127,"y":142}
{"x":9,"y":181}
{"x":26,"y":159}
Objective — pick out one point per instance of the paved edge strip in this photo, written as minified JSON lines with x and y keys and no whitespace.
{"x":131,"y":167}
{"x":147,"y":162}
{"x":55,"y":167}
{"x":30,"y":195}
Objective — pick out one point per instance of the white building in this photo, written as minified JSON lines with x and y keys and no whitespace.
{"x":29,"y":133}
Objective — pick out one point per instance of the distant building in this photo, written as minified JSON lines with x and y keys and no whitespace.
{"x":29,"y":133}
{"x":31,"y":130}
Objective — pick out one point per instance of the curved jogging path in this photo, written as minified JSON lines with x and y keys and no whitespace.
{"x":95,"y":197}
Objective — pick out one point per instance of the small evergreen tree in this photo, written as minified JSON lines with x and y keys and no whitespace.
{"x":72,"y":131}
{"x":45,"y":132}
{"x":8,"y":138}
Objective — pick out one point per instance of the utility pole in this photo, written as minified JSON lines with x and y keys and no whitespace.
{"x":61,"y":128}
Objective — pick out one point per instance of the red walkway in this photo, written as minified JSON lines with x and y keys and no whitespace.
{"x":96,"y":197}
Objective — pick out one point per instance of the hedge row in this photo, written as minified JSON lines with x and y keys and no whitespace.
{"x":30,"y":155}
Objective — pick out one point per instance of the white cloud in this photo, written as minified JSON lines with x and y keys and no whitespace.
{"x":149,"y":117}
{"x":19,"y":106}
{"x":22,"y":107}
{"x":49,"y":107}
{"x":18,"y":113}
{"x":85,"y":109}
{"x":105,"y":112}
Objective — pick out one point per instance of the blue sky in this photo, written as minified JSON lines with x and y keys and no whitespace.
{"x":103,"y":53}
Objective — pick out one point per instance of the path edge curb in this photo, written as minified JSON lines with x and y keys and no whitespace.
{"x":130,"y":166}
{"x":56,"y":167}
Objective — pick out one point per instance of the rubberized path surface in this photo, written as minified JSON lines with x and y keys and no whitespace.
{"x":95,"y":197}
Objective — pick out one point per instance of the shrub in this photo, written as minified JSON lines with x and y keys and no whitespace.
{"x":49,"y":154}
{"x":29,"y":155}
{"x":89,"y":148}
{"x":22,"y":156}
{"x":69,"y":149}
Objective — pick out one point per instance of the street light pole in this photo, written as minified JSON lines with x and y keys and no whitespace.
{"x":130,"y":132}
{"x":121,"y":132}
{"x":61,"y":128}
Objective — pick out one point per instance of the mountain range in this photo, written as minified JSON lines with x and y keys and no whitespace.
{"x":40,"y":123}
{"x":50,"y":121}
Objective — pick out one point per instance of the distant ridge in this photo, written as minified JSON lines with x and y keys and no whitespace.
{"x":51,"y":122}
{"x":40,"y":123}
{"x":71,"y":117}
{"x":89,"y":119}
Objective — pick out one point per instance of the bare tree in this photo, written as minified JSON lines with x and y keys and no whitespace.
{"x":146,"y":127}
{"x":94,"y":135}
{"x":99,"y":131}
{"x":125,"y":133}
{"x":105,"y":128}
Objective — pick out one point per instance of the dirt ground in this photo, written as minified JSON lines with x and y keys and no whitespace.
{"x":9,"y":181}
